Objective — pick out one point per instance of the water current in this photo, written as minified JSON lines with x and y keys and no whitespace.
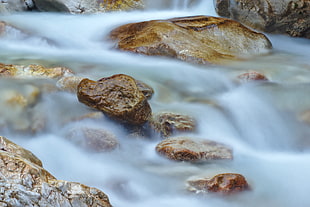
{"x":261,"y":121}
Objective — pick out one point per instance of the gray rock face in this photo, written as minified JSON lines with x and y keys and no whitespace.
{"x":286,"y":16}
{"x":24,"y":182}
{"x":71,"y":6}
{"x":9,"y":6}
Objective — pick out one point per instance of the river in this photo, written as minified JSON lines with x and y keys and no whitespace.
{"x":261,"y":121}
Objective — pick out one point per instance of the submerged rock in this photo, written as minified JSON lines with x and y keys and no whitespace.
{"x":228,"y":183}
{"x":193,"y":149}
{"x":198,"y":39}
{"x":168,"y":124}
{"x":252,"y":76}
{"x":69,"y":83}
{"x":287,"y":17}
{"x":117,"y":96}
{"x":24,"y":182}
{"x":33,"y":71}
{"x":92,"y":139}
{"x":87,"y":6}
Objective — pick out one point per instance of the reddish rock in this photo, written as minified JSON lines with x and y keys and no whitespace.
{"x":198,"y":39}
{"x":168,"y":124}
{"x":193,"y":149}
{"x":228,"y":183}
{"x":286,"y":17}
{"x":252,"y":76}
{"x":117,"y":96}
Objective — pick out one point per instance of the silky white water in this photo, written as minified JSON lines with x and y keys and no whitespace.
{"x":259,"y":120}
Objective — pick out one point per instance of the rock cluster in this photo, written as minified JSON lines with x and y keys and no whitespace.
{"x":117,"y":96}
{"x":24,"y":182}
{"x":193,"y":149}
{"x":198,"y":39}
{"x":227,"y":183}
{"x":287,"y":17}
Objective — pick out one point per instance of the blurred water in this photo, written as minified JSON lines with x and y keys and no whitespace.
{"x":259,"y":120}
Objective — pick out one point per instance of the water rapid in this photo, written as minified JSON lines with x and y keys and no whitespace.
{"x":261,"y":121}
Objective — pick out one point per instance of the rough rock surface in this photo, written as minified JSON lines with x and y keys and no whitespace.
{"x":252,"y":76}
{"x":147,"y":90}
{"x":87,"y":6}
{"x":287,"y":16}
{"x":193,"y":149}
{"x":33,"y":71}
{"x":25,"y":183}
{"x":10,"y":6}
{"x":227,"y":183}
{"x":93,"y":139}
{"x":167,"y":123}
{"x":198,"y":39}
{"x":117,"y":96}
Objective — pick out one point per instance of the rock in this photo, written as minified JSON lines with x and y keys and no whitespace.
{"x":147,"y":90}
{"x":33,"y":71}
{"x":193,"y":149}
{"x":92,"y":139}
{"x":117,"y":96}
{"x":252,"y":76}
{"x":121,"y":5}
{"x":168,"y":124}
{"x":25,"y":183}
{"x":228,"y":183}
{"x":11,"y":6}
{"x":69,"y":83}
{"x":87,"y":6}
{"x":198,"y":39}
{"x":286,"y":17}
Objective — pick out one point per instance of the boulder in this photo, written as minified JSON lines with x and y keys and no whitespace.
{"x":87,"y":6}
{"x":117,"y":96}
{"x":167,"y":123}
{"x":10,"y":6}
{"x":24,"y":182}
{"x":227,"y":183}
{"x":193,"y":149}
{"x":197,"y":39}
{"x":252,"y":76}
{"x":286,"y":17}
{"x":93,"y":139}
{"x":33,"y":71}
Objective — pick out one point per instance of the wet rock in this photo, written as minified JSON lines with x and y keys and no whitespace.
{"x":69,"y":83}
{"x":11,"y":6}
{"x":121,"y":5}
{"x":87,"y":6}
{"x":228,"y":183}
{"x":286,"y":17}
{"x":252,"y":76}
{"x":33,"y":71}
{"x":92,"y":139}
{"x":147,"y":90}
{"x":198,"y":39}
{"x":117,"y":96}
{"x":167,"y":123}
{"x":25,"y":183}
{"x":193,"y":149}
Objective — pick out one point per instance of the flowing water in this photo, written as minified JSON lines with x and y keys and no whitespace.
{"x":261,"y":121}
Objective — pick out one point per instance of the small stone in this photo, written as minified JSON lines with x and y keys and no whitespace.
{"x":117,"y":96}
{"x":92,"y":139}
{"x":252,"y":76}
{"x":167,"y":123}
{"x":193,"y":149}
{"x":147,"y":90}
{"x":227,"y":183}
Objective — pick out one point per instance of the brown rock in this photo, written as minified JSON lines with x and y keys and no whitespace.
{"x":93,"y":139}
{"x":118,"y":96}
{"x":252,"y":76}
{"x":33,"y":71}
{"x":287,"y":17}
{"x":168,"y":124}
{"x":227,"y":183}
{"x":198,"y":39}
{"x":147,"y":90}
{"x":121,"y":5}
{"x":193,"y":149}
{"x":28,"y":184}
